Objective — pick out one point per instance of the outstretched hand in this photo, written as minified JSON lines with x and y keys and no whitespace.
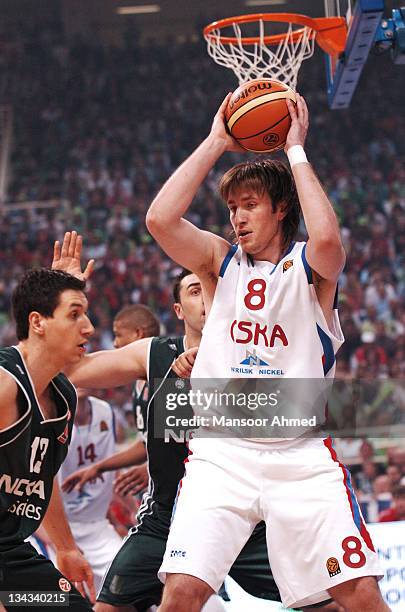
{"x":219,"y":130}
{"x":299,"y":122}
{"x":77,"y":480}
{"x":132,"y":481}
{"x":67,"y":258}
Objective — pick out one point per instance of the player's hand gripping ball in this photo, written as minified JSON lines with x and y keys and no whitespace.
{"x":257,"y":115}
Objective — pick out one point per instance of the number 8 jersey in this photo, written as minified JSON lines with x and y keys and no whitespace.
{"x":266,"y":321}
{"x":31,"y":451}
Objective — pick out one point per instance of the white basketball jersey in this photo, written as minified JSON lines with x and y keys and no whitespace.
{"x":89,"y":444}
{"x":266,"y":321}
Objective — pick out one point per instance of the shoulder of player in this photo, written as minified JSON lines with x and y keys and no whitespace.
{"x":165,"y":345}
{"x":102,"y":409}
{"x":8,"y":400}
{"x":8,"y":386}
{"x":97,"y":401}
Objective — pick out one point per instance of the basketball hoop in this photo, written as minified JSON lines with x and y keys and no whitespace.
{"x":276,"y":56}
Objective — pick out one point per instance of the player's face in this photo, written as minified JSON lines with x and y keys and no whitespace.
{"x":191,"y":306}
{"x":253,"y":220}
{"x":123,"y":334}
{"x":68,"y":330}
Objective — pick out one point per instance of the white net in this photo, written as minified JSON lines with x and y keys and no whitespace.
{"x":257,"y":60}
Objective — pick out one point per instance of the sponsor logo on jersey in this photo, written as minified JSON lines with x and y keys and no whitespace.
{"x":103,"y":426}
{"x":23,"y":487}
{"x":249,"y":332}
{"x":261,"y":367}
{"x":65,"y":585}
{"x":19,"y":368}
{"x":177,"y":553}
{"x":252,"y":359}
{"x":248,"y":91}
{"x":179,"y":384}
{"x":333,"y":567}
{"x":287,"y":265}
{"x":26,"y":509}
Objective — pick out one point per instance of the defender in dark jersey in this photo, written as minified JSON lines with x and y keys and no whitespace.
{"x":132,"y":323}
{"x":37,"y":406}
{"x":132,"y":578}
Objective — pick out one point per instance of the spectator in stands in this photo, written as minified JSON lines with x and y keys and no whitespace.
{"x":397,"y":510}
{"x":365,"y":478}
{"x":370,"y":355}
{"x":394,"y":474}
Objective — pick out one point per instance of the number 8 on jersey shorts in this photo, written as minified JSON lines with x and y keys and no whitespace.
{"x":316,"y":536}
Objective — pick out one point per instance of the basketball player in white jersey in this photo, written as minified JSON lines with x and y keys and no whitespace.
{"x":93,"y":439}
{"x":138,"y":560}
{"x":272,"y":298}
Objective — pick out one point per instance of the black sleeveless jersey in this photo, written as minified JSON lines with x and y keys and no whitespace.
{"x":31,"y":451}
{"x":166,"y":459}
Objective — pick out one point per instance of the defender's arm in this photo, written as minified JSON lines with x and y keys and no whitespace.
{"x":111,"y":368}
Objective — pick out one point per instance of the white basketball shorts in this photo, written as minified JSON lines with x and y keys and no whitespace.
{"x":316,"y":536}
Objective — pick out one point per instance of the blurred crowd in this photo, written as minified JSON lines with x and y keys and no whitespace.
{"x":100,"y":129}
{"x":378,"y":479}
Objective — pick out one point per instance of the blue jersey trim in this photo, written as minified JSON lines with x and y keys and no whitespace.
{"x":355,"y":505}
{"x":327,"y":350}
{"x":227,"y":259}
{"x":290,"y":248}
{"x":307,"y":267}
{"x":349,"y":487}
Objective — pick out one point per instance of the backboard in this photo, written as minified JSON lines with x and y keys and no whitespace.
{"x":366,"y":27}
{"x":252,"y":47}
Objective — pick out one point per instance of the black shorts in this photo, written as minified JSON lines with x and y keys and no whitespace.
{"x":23,"y":569}
{"x":132,"y":577}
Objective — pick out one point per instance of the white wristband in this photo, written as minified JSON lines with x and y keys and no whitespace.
{"x":296,"y":155}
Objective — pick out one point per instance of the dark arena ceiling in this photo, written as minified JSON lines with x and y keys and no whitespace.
{"x":178,"y":19}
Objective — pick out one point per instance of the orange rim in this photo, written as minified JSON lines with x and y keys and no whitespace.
{"x":330,"y":32}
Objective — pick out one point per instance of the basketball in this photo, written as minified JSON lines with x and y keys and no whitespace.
{"x":257,"y":115}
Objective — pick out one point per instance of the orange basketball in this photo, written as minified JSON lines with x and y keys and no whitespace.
{"x":257,"y":115}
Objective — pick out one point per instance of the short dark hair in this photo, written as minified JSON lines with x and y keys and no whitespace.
{"x":40,"y":290}
{"x":273,"y":177}
{"x":139,"y":315}
{"x":177,"y":284}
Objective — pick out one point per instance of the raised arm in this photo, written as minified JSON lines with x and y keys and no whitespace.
{"x":112,"y":368}
{"x":189,"y":246}
{"x":324,"y":251}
